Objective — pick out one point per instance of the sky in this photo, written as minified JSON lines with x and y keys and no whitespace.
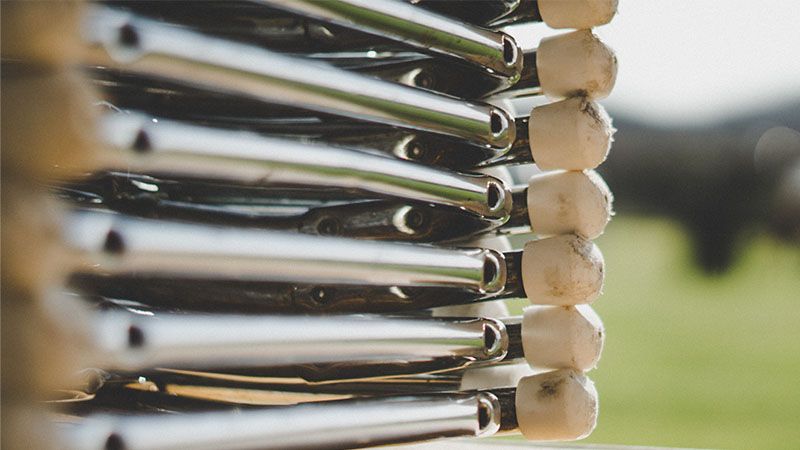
{"x":702,"y":60}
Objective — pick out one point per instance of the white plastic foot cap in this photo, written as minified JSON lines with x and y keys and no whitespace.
{"x":578,"y":14}
{"x":572,"y":134}
{"x":556,"y":406}
{"x":562,"y":337}
{"x":569,"y":202}
{"x":574,"y":64}
{"x":562,"y":270}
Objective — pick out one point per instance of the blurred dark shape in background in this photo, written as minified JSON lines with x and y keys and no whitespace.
{"x":723,"y":181}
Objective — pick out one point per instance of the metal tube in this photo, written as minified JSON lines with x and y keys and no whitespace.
{"x":169,"y":99}
{"x":344,"y":424}
{"x":416,"y":70}
{"x":315,"y":211}
{"x":129,"y":342}
{"x":114,"y":244}
{"x":171,"y":147}
{"x":153,"y":48}
{"x":526,"y":11}
{"x":481,"y":13}
{"x":411,"y":25}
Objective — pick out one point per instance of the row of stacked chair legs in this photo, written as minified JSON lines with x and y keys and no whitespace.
{"x":289,"y":224}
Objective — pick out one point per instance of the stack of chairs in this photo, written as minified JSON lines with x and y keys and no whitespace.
{"x":285,"y":223}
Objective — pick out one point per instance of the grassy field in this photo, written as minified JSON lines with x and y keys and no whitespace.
{"x":697,"y":361}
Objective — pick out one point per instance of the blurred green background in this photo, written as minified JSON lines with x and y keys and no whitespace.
{"x":695,"y":360}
